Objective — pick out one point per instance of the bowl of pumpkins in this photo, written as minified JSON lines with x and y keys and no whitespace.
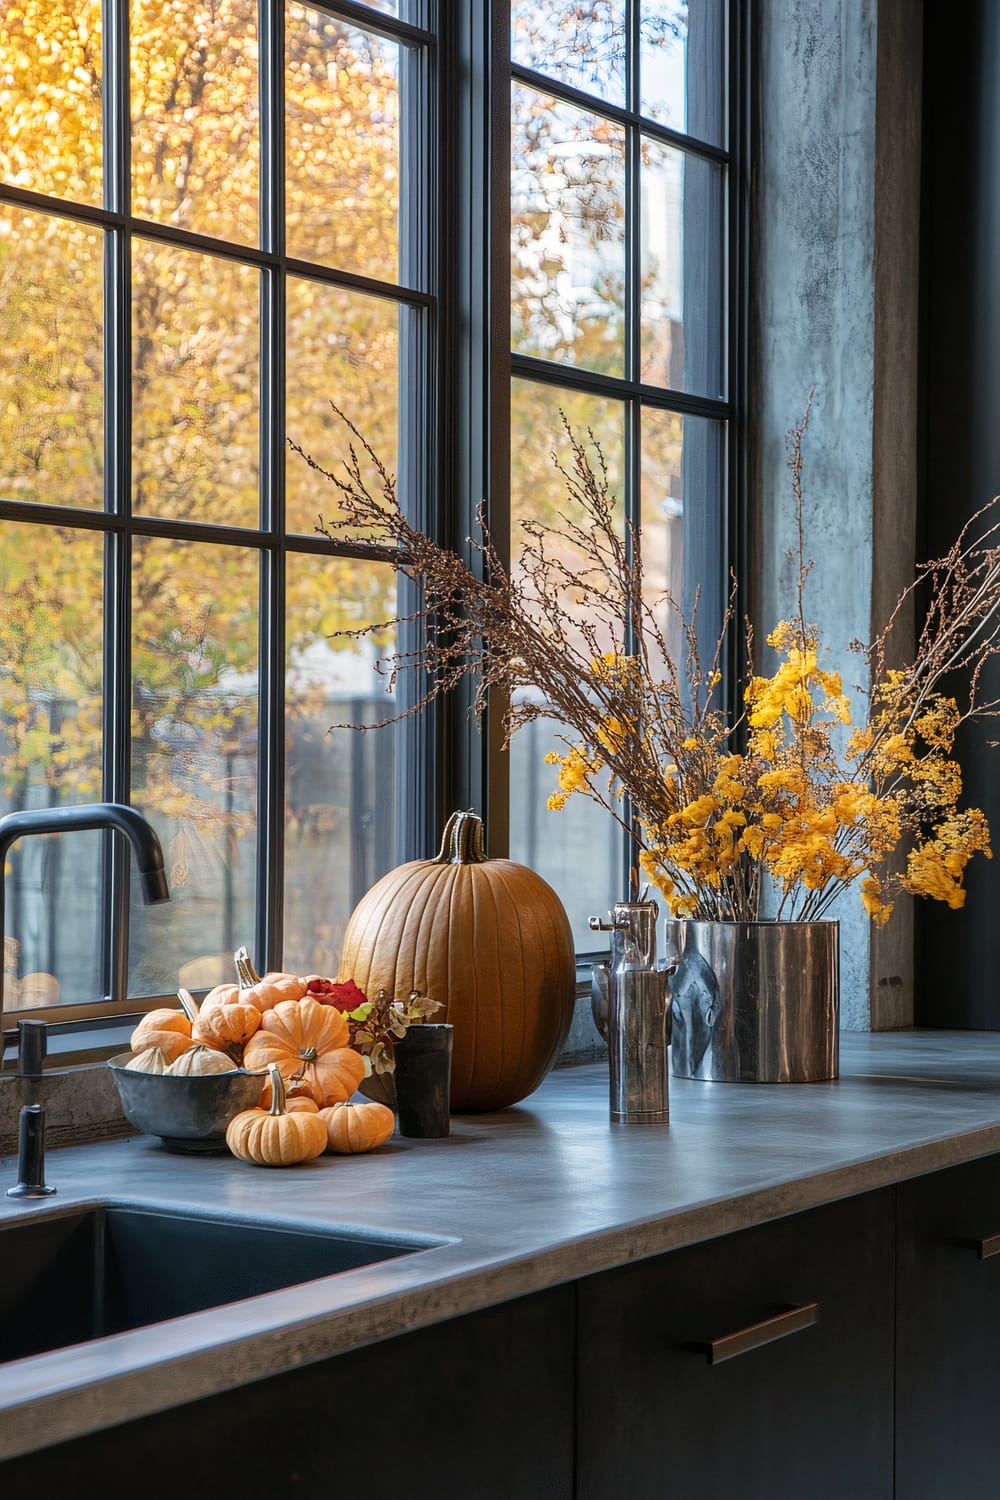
{"x":243,"y":1072}
{"x":190,"y":1112}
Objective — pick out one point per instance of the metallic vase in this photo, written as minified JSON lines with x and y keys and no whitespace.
{"x":630,"y":999}
{"x":757,"y":1002}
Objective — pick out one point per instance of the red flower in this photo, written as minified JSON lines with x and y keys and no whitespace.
{"x":343,"y":997}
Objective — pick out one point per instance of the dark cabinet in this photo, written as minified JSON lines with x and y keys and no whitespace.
{"x":806,"y":1415}
{"x":478,"y":1408}
{"x":948,"y":1334}
{"x":749,"y":1367}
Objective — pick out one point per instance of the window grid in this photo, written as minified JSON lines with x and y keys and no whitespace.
{"x":463,"y":194}
{"x":269,"y":539}
{"x":630,"y":390}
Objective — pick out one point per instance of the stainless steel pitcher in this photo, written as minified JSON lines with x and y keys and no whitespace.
{"x":630,"y":1000}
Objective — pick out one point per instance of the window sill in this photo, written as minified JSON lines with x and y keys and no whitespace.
{"x":81,"y":1104}
{"x":81,"y":1101}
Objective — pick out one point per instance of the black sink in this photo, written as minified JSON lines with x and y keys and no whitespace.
{"x":86,"y":1273}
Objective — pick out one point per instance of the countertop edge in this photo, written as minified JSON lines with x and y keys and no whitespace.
{"x":89,"y":1407}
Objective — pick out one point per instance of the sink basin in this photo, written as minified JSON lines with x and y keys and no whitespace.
{"x":89,"y":1272}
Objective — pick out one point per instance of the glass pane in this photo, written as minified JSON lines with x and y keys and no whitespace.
{"x":683,"y":297}
{"x":582,"y":43}
{"x":340,"y":784}
{"x":51,"y":374}
{"x":50,"y":753}
{"x":195,"y":386}
{"x":50,"y":98}
{"x":568,"y":234}
{"x":195,"y":126}
{"x":342,"y":144}
{"x":682,"y":66}
{"x":341,"y":347}
{"x":662,"y":522}
{"x":577,"y":850}
{"x":681,"y":530}
{"x":194,"y":751}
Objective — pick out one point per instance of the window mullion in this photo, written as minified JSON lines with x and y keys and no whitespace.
{"x":633,"y":349}
{"x":270,"y":852}
{"x":115,"y":872}
{"x":475,"y":430}
{"x":419,"y":813}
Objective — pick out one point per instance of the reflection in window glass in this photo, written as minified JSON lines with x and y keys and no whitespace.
{"x":195,"y":118}
{"x":341,"y":347}
{"x":681,"y":66}
{"x":194,"y":751}
{"x":51,"y":374}
{"x":683,"y":469}
{"x":340,"y":785}
{"x":682,"y":324}
{"x":342,"y":144}
{"x":578,"y":849}
{"x":568,"y":233}
{"x":583,"y":45}
{"x":195,"y":384}
{"x":662,"y":522}
{"x":50,"y":754}
{"x":50,"y":78}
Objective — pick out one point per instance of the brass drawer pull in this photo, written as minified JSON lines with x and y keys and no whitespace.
{"x":758,"y":1334}
{"x":986,"y":1247}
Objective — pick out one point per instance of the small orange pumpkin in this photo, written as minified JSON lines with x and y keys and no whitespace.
{"x":279,"y":985}
{"x":352,"y":1128}
{"x":160,"y":1023}
{"x":276,"y":1137}
{"x":230,"y":1020}
{"x":309,"y":1040}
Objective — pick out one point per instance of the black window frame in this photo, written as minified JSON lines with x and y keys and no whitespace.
{"x":454,"y":422}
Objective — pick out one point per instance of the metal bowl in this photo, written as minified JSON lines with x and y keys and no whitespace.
{"x":190,"y":1114}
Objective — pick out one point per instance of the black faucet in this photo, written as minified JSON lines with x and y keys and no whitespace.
{"x":148,"y":854}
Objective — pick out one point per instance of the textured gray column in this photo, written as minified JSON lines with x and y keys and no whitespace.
{"x":835,"y":218}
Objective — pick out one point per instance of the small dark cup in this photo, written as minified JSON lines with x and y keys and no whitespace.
{"x":423,"y":1080}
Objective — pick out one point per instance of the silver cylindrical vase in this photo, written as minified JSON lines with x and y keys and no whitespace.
{"x":757,"y":1002}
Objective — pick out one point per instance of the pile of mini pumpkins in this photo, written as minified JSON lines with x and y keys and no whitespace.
{"x":278,"y":1027}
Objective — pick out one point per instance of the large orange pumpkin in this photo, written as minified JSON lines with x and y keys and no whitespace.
{"x":490,"y":940}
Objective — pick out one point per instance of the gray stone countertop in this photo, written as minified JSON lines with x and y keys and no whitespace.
{"x":523,"y":1199}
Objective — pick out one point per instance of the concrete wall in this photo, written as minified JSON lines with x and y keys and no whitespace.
{"x":835,"y":207}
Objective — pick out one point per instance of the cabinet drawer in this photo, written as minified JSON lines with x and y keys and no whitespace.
{"x":478,"y":1408}
{"x":799,"y":1406}
{"x":948,"y":1331}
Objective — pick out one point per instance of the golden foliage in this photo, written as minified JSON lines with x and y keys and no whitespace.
{"x":195,"y":377}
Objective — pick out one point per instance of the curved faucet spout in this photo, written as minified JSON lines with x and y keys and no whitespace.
{"x":148,"y":854}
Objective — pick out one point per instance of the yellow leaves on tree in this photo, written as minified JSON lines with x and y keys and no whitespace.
{"x":195,"y":351}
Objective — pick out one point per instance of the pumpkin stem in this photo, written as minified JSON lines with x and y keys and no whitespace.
{"x":246,"y":974}
{"x":189,"y":1004}
{"x":462,"y":840}
{"x":277,"y":1089}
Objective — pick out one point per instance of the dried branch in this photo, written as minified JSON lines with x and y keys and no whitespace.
{"x":570,"y":636}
